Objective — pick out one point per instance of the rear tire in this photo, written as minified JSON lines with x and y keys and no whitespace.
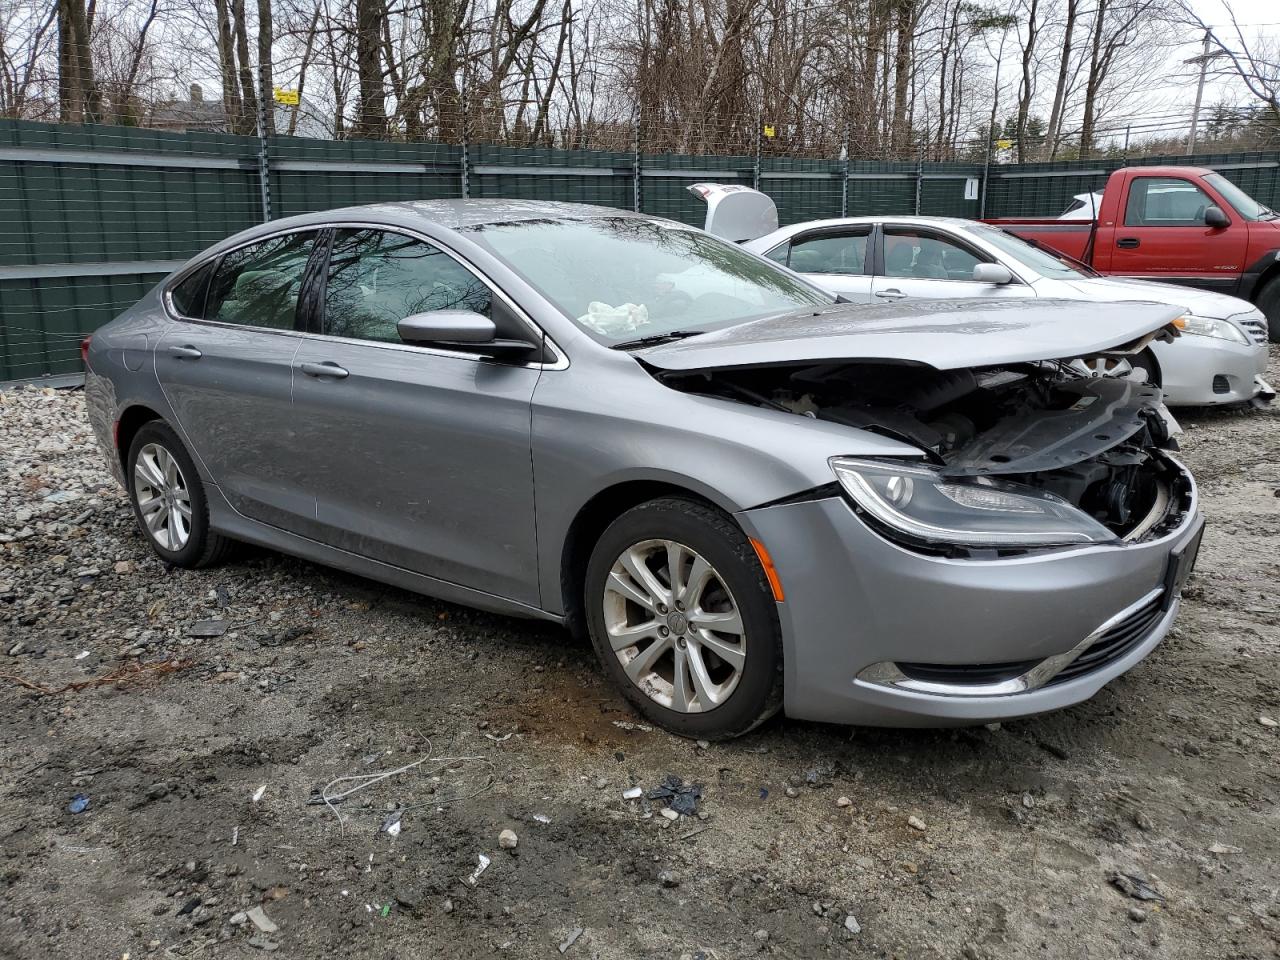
{"x":1269,"y":303}
{"x":706,"y":656}
{"x":169,"y":501}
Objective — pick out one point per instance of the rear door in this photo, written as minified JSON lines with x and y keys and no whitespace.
{"x":226,"y":368}
{"x":418,"y":457}
{"x":915,"y":261}
{"x":835,"y":258}
{"x":1162,"y":235}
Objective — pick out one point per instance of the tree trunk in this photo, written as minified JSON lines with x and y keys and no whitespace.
{"x":1025,"y":89}
{"x":247,"y":120}
{"x":1094,"y":81}
{"x":902,"y":75}
{"x":1064,"y":69}
{"x":371,"y":121}
{"x":265,"y":81}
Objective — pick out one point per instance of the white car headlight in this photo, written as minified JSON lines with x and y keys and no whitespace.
{"x":916,"y":500}
{"x":1210,"y":327}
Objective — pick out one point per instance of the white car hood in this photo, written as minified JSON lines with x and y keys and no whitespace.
{"x":1202,"y":303}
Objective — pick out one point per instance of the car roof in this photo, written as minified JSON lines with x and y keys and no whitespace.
{"x":456,"y":214}
{"x":879,"y":218}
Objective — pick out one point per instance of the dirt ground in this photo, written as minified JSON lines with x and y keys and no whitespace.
{"x":976,"y":843}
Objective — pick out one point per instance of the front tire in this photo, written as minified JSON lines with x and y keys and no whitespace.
{"x":683,"y":619}
{"x":1269,"y":303}
{"x":169,"y":501}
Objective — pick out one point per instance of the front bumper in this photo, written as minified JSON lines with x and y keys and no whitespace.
{"x":855,"y":601}
{"x":1201,"y":371}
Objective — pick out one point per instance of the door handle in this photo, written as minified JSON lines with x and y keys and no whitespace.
{"x":1129,"y":243}
{"x":893,"y":293}
{"x":326,"y":369}
{"x":186,"y":352}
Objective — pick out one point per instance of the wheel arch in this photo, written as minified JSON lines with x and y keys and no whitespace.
{"x":592,"y":519}
{"x":127,"y":425}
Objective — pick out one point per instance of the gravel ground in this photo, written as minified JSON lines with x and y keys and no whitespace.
{"x":200,"y":753}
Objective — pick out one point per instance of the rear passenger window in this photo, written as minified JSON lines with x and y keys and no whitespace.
{"x":258,"y":285}
{"x":846,"y":253}
{"x":377,"y":278}
{"x":188,"y":296}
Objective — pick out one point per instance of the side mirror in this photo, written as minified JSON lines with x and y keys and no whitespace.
{"x":996,"y":273}
{"x":1215,"y":217}
{"x":459,"y":328}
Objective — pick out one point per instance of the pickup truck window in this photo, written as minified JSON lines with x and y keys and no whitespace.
{"x":1240,"y":201}
{"x":1165,"y":202}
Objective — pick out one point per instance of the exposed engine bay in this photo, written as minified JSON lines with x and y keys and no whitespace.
{"x":1093,"y":441}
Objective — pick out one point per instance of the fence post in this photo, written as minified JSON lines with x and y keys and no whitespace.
{"x":755,"y":170}
{"x":844,"y":176}
{"x":986,"y":178}
{"x":465,"y":157}
{"x":264,"y":161}
{"x":919,"y":178}
{"x":635,"y":165}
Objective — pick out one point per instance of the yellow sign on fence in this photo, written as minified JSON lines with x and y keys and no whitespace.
{"x":287,"y":97}
{"x":769,"y":131}
{"x":1004,"y":144}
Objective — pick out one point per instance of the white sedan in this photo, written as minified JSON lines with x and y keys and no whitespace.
{"x":1221,"y":359}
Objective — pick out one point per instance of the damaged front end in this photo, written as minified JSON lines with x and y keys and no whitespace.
{"x":1015,"y":457}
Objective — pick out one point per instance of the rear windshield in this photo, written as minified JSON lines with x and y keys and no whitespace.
{"x":624,"y":278}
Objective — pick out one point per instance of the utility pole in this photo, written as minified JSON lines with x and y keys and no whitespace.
{"x":1203,"y":60}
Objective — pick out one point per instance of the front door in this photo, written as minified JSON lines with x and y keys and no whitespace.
{"x":929,"y":264}
{"x":226,"y":369}
{"x":1164,"y":236}
{"x":418,"y":457}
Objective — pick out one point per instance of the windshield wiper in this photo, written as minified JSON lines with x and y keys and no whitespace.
{"x":656,"y":338}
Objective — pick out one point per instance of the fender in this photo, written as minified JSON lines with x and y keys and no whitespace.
{"x":1250,"y":280}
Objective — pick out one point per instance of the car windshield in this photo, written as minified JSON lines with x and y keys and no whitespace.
{"x":1046,"y":262}
{"x":1240,"y":201}
{"x":625,"y":279}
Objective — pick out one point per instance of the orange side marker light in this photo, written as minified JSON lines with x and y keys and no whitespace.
{"x":770,"y":571}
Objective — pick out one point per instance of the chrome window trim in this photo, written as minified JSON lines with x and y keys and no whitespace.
{"x":561,"y":362}
{"x":824,"y":233}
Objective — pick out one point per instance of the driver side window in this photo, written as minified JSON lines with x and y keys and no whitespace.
{"x":377,"y":278}
{"x":913,"y":254}
{"x":1165,"y":202}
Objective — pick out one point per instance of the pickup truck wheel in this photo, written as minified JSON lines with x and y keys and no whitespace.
{"x":1269,"y":304}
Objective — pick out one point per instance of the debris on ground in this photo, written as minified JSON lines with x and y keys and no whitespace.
{"x":507,"y":839}
{"x":260,"y":920}
{"x":681,"y":797}
{"x":571,"y":939}
{"x":1135,"y":885}
{"x":78,"y":803}
{"x":482,"y":865}
{"x":851,"y":924}
{"x":259,"y":793}
{"x":632,"y":793}
{"x":207,"y":629}
{"x":915,"y":823}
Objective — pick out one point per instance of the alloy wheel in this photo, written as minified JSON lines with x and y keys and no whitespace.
{"x":164,"y":501}
{"x":674,"y":626}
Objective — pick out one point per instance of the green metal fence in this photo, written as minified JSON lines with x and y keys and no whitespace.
{"x":91,"y":216}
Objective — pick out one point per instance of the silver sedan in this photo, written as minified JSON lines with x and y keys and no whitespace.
{"x":749,"y":496}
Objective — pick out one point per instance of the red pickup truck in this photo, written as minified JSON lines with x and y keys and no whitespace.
{"x":1185,"y":225}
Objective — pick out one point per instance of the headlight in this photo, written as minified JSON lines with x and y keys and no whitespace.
{"x":1209,"y":327}
{"x":918,"y":501}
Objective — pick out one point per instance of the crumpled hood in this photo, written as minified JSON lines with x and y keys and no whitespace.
{"x":1203,"y":303}
{"x":945,"y":334}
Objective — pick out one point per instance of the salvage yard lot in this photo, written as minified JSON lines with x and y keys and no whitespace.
{"x":985,"y":842}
